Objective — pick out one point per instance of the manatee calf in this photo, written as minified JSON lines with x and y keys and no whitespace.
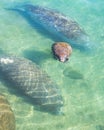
{"x":58,"y":24}
{"x":34,"y":82}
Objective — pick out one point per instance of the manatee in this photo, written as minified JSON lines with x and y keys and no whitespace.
{"x":32,"y":81}
{"x":65,"y":28}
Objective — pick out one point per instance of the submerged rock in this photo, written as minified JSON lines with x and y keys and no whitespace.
{"x":61,"y":51}
{"x":7,"y":119}
{"x":73,"y":74}
{"x":34,"y":82}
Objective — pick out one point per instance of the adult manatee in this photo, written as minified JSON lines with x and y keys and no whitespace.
{"x":58,"y":24}
{"x":34,"y":82}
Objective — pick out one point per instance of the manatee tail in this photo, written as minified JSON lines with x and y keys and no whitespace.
{"x":15,"y":6}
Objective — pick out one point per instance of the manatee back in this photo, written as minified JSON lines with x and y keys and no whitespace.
{"x":33,"y":81}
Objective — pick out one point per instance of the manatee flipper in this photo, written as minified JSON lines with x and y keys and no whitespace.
{"x":34,"y":82}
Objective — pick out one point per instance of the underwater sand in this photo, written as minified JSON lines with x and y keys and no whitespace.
{"x":81,"y":79}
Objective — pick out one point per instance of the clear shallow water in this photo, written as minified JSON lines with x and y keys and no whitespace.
{"x":83,"y":91}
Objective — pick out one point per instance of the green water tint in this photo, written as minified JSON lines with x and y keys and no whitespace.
{"x":72,"y":73}
{"x":83,"y":94}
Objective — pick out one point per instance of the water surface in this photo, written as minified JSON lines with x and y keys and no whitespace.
{"x":81,"y":79}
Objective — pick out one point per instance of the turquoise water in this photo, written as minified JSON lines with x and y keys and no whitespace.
{"x":81,"y":79}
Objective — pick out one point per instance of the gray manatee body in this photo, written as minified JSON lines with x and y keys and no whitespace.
{"x":58,"y":24}
{"x":34,"y":82}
